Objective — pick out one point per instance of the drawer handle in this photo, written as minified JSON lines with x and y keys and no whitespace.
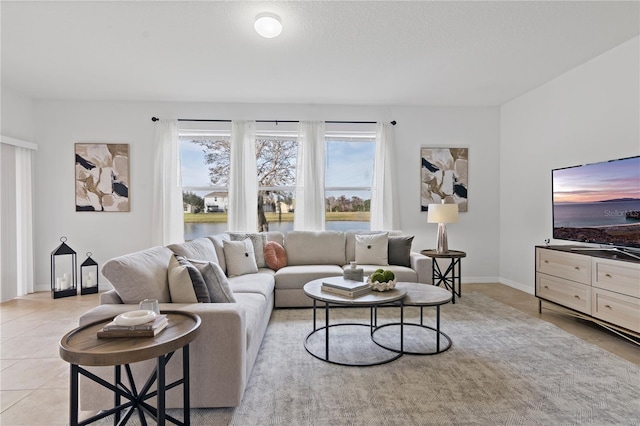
{"x":546,"y":261}
{"x":547,"y":287}
{"x":576,"y":296}
{"x":577,"y":268}
{"x":608,"y":306}
{"x":608,"y":275}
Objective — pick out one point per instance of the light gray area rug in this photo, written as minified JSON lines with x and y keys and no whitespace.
{"x":504,"y":368}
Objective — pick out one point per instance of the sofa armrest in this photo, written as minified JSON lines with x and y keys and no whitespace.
{"x":110,"y":297}
{"x":423,"y":267}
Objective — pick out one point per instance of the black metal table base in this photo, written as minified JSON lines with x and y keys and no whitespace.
{"x":439,"y":347}
{"x":135,"y":401}
{"x":451,"y":278}
{"x":372,"y":327}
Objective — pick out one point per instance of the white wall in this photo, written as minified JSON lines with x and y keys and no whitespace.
{"x":587,"y":115}
{"x":16,"y":116}
{"x":60,"y":124}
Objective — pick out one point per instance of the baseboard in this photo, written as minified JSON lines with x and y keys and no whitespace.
{"x":517,"y":285}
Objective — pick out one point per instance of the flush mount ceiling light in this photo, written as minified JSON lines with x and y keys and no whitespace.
{"x":268,"y":25}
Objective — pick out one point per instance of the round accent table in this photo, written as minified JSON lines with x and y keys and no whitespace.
{"x":81,"y":346}
{"x":371,"y":300}
{"x":452,"y":276}
{"x":422,"y":295}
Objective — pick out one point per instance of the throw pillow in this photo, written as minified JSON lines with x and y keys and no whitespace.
{"x":372,"y":249}
{"x":274,"y":255}
{"x":216,"y":281}
{"x":200,"y":248}
{"x":240,"y":257}
{"x":400,"y":250}
{"x":258,"y":240}
{"x":186,"y":283}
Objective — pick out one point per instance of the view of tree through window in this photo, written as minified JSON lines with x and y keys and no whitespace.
{"x":205,"y":164}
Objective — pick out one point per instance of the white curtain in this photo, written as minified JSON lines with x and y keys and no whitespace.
{"x":309,"y":198}
{"x":16,"y":231}
{"x":243,"y":178}
{"x":384,"y":214}
{"x":167,"y":214}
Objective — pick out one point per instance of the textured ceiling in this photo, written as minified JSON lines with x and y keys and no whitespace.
{"x":357,"y":52}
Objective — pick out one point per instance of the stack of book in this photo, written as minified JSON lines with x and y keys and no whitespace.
{"x":148,"y":329}
{"x":345,"y":287}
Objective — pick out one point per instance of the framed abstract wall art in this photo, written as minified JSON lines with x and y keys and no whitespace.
{"x":102,"y":177}
{"x":444,"y":175}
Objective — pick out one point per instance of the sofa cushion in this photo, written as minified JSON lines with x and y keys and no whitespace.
{"x":216,"y":282}
{"x":239,"y":257}
{"x":217,"y":241}
{"x":200,"y":249}
{"x":186,"y":283}
{"x":315,"y":248}
{"x":372,"y":249}
{"x":295,"y":277}
{"x":275,"y":255}
{"x":261,"y":283}
{"x":258,"y":240}
{"x":400,"y":250}
{"x":141,"y":275}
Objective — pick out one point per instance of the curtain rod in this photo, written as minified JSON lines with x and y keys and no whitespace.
{"x":154,"y":119}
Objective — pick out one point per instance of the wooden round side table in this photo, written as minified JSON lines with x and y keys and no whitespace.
{"x":452,"y":276}
{"x":81,"y":346}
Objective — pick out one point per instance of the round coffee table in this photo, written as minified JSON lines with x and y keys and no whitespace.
{"x":372,"y":300}
{"x":422,"y":295}
{"x":81,"y":346}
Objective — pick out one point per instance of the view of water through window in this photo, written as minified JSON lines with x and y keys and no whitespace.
{"x":205,"y":174}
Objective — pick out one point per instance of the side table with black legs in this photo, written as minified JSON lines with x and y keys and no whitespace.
{"x":451,"y":278}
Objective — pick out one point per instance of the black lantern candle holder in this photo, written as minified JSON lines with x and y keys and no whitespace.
{"x":63,"y":271}
{"x":89,"y":276}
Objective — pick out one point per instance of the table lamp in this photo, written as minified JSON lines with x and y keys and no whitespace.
{"x":442,"y":214}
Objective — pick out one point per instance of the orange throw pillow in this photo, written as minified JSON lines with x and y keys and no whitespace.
{"x":274,"y":255}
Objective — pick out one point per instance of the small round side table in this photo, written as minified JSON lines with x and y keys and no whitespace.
{"x":452,"y":276}
{"x":81,"y":346}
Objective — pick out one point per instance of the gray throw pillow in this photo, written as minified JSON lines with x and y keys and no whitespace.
{"x":216,"y":281}
{"x":400,"y":250}
{"x":186,"y":283}
{"x":258,"y":240}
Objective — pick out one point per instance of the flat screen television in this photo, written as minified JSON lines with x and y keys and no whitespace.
{"x":598,"y":203}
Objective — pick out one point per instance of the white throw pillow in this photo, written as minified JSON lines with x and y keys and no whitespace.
{"x":240,"y":257}
{"x":258,"y":240}
{"x":372,"y":249}
{"x":186,"y":283}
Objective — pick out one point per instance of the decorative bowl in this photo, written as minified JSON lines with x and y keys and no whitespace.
{"x":382,"y":286}
{"x":132,"y":318}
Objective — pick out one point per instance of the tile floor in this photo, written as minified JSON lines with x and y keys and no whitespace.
{"x":34,"y":381}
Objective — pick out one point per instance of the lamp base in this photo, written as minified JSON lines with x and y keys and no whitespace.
{"x":441,"y":245}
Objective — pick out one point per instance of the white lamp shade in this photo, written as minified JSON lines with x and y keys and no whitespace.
{"x":268,"y":25}
{"x":442,"y":213}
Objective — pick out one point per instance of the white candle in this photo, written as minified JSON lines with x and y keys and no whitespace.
{"x":58,"y":283}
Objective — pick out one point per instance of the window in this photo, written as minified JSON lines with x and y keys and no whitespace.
{"x":205,"y":162}
{"x":348,"y":179}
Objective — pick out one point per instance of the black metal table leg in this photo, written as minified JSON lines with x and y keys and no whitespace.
{"x":73,"y":406}
{"x":186,"y":398}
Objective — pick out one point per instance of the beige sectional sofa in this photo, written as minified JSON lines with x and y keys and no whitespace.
{"x":223,"y":355}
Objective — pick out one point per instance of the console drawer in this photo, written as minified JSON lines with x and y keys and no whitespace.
{"x":574,"y":267}
{"x":619,"y":277}
{"x":564,"y":292}
{"x":616,"y":308}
